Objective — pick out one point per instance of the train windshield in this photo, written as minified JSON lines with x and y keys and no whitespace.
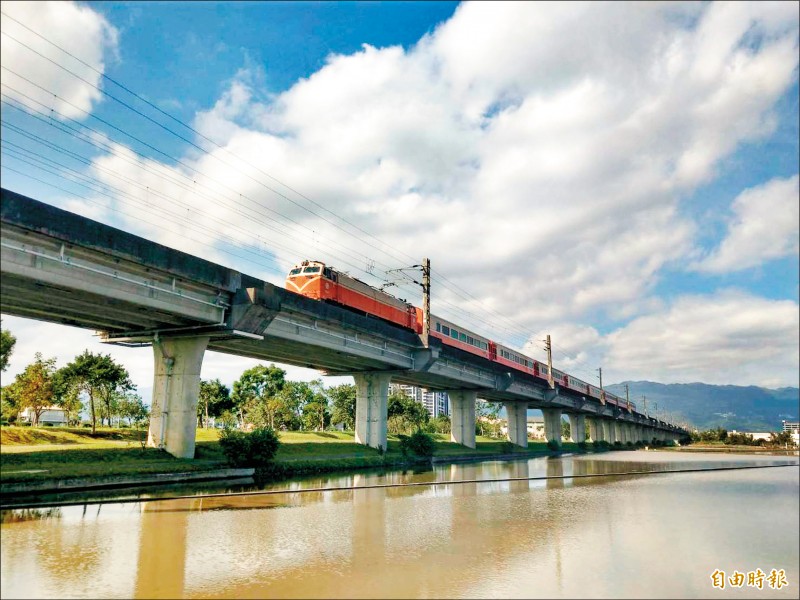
{"x":311,"y":270}
{"x":294,"y":272}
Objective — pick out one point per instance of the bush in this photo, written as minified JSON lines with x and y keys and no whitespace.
{"x":254,"y":449}
{"x":582,"y":446}
{"x":553,"y":445}
{"x":419,"y":442}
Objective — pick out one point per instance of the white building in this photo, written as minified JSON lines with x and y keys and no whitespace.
{"x":436,"y":403}
{"x":52,"y":415}
{"x":793,"y":427}
{"x":535,"y":427}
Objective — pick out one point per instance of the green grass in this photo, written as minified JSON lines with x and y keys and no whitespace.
{"x":45,"y":453}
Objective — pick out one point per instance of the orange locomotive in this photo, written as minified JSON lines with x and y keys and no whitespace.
{"x":314,"y":279}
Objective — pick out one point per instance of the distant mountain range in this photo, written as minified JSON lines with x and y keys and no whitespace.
{"x":706,"y":406}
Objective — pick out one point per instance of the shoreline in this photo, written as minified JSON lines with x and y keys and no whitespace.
{"x":284,"y":469}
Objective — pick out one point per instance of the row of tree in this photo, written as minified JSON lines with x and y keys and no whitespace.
{"x":261,"y":397}
{"x":734,"y":438}
{"x":91,"y":382}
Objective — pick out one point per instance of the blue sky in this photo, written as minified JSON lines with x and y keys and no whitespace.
{"x":620,"y":176}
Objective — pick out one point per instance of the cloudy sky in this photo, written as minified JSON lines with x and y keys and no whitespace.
{"x":621,"y":176}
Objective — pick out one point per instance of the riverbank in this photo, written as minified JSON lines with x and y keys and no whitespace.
{"x":53,"y":459}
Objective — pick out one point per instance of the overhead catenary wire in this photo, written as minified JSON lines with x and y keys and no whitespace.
{"x":459,"y":291}
{"x":478,"y":321}
{"x":83,"y":137}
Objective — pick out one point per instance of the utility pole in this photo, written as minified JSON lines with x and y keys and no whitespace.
{"x":644,"y":400}
{"x":426,"y":301}
{"x":549,"y":348}
{"x":602,"y":392}
{"x":627,"y":397}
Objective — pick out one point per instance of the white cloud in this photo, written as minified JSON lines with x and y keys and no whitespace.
{"x":764,"y":226}
{"x":83,"y":32}
{"x":536,"y":152}
{"x":729,"y":337}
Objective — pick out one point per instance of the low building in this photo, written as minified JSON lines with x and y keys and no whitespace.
{"x":535,"y":427}
{"x":52,"y":415}
{"x":757,"y":435}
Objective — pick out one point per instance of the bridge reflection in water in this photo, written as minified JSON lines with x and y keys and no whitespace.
{"x":520,"y":537}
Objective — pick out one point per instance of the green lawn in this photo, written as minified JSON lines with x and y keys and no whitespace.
{"x":42,"y":453}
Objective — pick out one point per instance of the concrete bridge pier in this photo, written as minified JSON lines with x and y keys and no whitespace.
{"x":372,"y":397}
{"x":577,"y":428}
{"x":517,"y":413}
{"x":596,"y":430}
{"x":552,"y":424}
{"x":612,"y":435}
{"x":176,"y":386}
{"x":462,"y":411}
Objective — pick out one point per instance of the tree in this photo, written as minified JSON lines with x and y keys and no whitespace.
{"x":781,"y":438}
{"x":7,"y":342}
{"x":316,"y":407}
{"x":487,"y":418}
{"x":9,"y":402}
{"x":566,"y":430}
{"x":34,"y":386}
{"x":214,"y":399}
{"x":256,"y":387}
{"x":441,"y":424}
{"x":67,"y":397}
{"x":405,"y":413}
{"x":99,"y":377}
{"x":131,"y":407}
{"x":343,"y":401}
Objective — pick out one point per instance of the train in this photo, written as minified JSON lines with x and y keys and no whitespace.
{"x":316,"y":280}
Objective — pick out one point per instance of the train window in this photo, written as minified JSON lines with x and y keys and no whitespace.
{"x":445,"y":330}
{"x":438,"y":327}
{"x":462,"y":337}
{"x":295,"y":272}
{"x":311,"y":270}
{"x":454,"y":334}
{"x":470,"y":340}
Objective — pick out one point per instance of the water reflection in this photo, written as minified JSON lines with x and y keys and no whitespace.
{"x":162,"y":553}
{"x":519,"y":537}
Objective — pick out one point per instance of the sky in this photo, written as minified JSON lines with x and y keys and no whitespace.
{"x":620,"y":176}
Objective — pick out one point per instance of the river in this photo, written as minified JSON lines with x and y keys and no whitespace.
{"x":572,"y":531}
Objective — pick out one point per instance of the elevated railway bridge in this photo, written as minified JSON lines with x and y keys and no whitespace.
{"x":61,"y":267}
